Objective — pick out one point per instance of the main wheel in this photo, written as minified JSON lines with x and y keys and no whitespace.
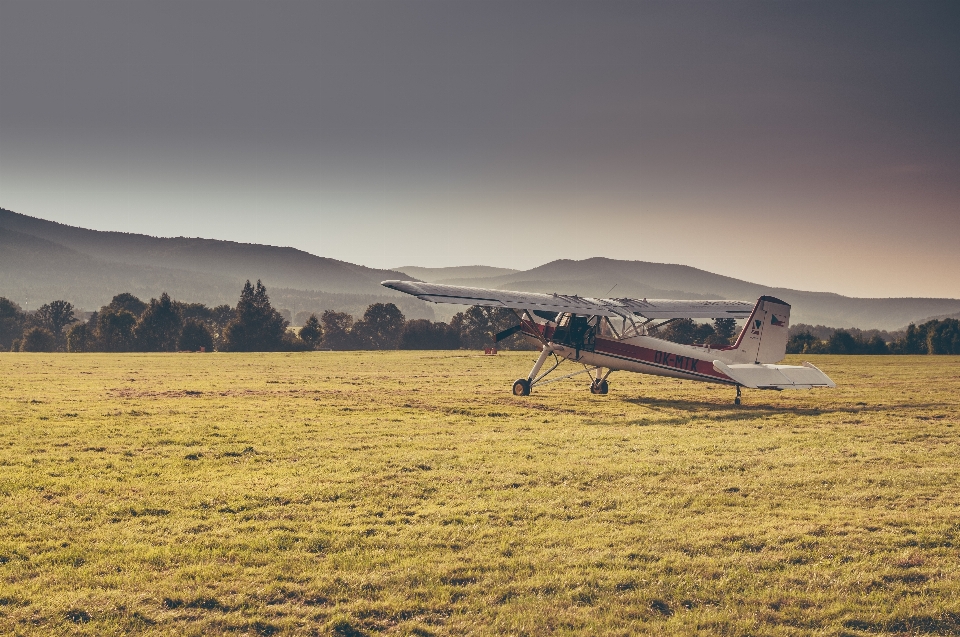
{"x":599,"y":388}
{"x":521,"y":387}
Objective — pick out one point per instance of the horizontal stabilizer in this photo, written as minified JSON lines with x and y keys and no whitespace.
{"x":775,"y":376}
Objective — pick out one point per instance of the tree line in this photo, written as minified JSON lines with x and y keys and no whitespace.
{"x":128,"y":324}
{"x":938,"y":336}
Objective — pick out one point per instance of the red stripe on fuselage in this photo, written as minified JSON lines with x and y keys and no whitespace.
{"x":658,"y":358}
{"x":647,"y":355}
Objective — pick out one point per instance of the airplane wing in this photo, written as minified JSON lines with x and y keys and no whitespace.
{"x":652,"y":309}
{"x":775,"y":376}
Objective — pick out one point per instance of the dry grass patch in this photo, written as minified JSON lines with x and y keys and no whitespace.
{"x":412,"y":494}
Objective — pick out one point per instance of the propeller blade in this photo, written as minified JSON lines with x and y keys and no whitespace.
{"x":510,"y":331}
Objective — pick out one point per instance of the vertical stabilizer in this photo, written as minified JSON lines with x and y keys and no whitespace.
{"x":764,"y":337}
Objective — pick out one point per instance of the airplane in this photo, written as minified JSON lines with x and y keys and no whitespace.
{"x":608,"y":335}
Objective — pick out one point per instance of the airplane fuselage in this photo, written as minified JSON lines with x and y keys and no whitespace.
{"x":649,"y":355}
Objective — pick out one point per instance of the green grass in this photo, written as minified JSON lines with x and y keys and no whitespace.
{"x":412,"y":494}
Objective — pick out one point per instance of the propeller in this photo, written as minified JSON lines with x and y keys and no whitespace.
{"x":510,"y":331}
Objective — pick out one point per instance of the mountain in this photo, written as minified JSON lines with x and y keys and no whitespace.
{"x":42,"y":260}
{"x":440,"y":275}
{"x":640,"y":279}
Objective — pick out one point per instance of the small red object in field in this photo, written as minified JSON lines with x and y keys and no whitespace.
{"x":490,"y":351}
{"x":203,"y":349}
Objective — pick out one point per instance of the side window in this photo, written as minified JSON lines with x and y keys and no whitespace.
{"x":605,"y":330}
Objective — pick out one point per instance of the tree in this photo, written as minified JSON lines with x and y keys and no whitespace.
{"x":38,"y":339}
{"x":842,"y":342}
{"x":424,"y":334}
{"x":115,"y":329}
{"x":220,"y":317}
{"x":55,"y":316}
{"x":80,"y":338}
{"x":195,"y":335}
{"x":337,"y":330}
{"x":129,"y":303}
{"x":914,"y":341}
{"x":12,"y":320}
{"x":380,"y":326}
{"x":943,"y":337}
{"x":159,"y":326}
{"x":875,"y":345}
{"x":684,"y":331}
{"x":312,"y":332}
{"x":724,"y":329}
{"x":804,"y":343}
{"x":301,"y":317}
{"x":197,"y":311}
{"x":478,"y":326}
{"x":257,"y":326}
{"x":474,"y":327}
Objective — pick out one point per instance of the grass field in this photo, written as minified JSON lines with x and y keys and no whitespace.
{"x":412,"y":494}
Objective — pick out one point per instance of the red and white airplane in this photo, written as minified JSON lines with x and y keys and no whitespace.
{"x":608,"y":335}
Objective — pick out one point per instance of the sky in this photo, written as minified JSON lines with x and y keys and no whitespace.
{"x":812,"y":145}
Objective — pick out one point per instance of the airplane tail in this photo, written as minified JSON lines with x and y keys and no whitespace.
{"x":764,"y":337}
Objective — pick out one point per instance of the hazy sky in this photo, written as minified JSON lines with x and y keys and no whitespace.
{"x":806,"y":144}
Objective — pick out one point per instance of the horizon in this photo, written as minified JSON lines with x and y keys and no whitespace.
{"x":810,"y":146}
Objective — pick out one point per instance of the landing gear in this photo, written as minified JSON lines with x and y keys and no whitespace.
{"x":736,"y":401}
{"x":599,"y":387}
{"x":521,"y":387}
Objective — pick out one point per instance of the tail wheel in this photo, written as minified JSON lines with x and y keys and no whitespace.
{"x":521,"y":387}
{"x":599,"y":388}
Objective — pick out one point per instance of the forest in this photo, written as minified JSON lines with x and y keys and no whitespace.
{"x":129,"y":324}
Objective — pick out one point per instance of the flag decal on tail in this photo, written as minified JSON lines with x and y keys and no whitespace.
{"x":778,"y":321}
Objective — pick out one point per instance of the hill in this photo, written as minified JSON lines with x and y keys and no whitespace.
{"x":440,"y":275}
{"x":639,"y":279}
{"x":43,"y":260}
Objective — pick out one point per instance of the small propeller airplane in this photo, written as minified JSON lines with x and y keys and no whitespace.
{"x":608,"y":335}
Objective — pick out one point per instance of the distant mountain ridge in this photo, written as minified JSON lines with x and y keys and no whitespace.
{"x":43,"y":260}
{"x":455,"y":272}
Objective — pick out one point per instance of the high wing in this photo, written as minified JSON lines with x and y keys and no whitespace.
{"x":650,"y":309}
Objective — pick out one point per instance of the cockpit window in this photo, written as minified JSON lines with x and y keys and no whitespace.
{"x":606,"y":330}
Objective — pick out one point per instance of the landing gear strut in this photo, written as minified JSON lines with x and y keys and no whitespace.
{"x":736,"y":401}
{"x":521,"y":387}
{"x":599,"y":387}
